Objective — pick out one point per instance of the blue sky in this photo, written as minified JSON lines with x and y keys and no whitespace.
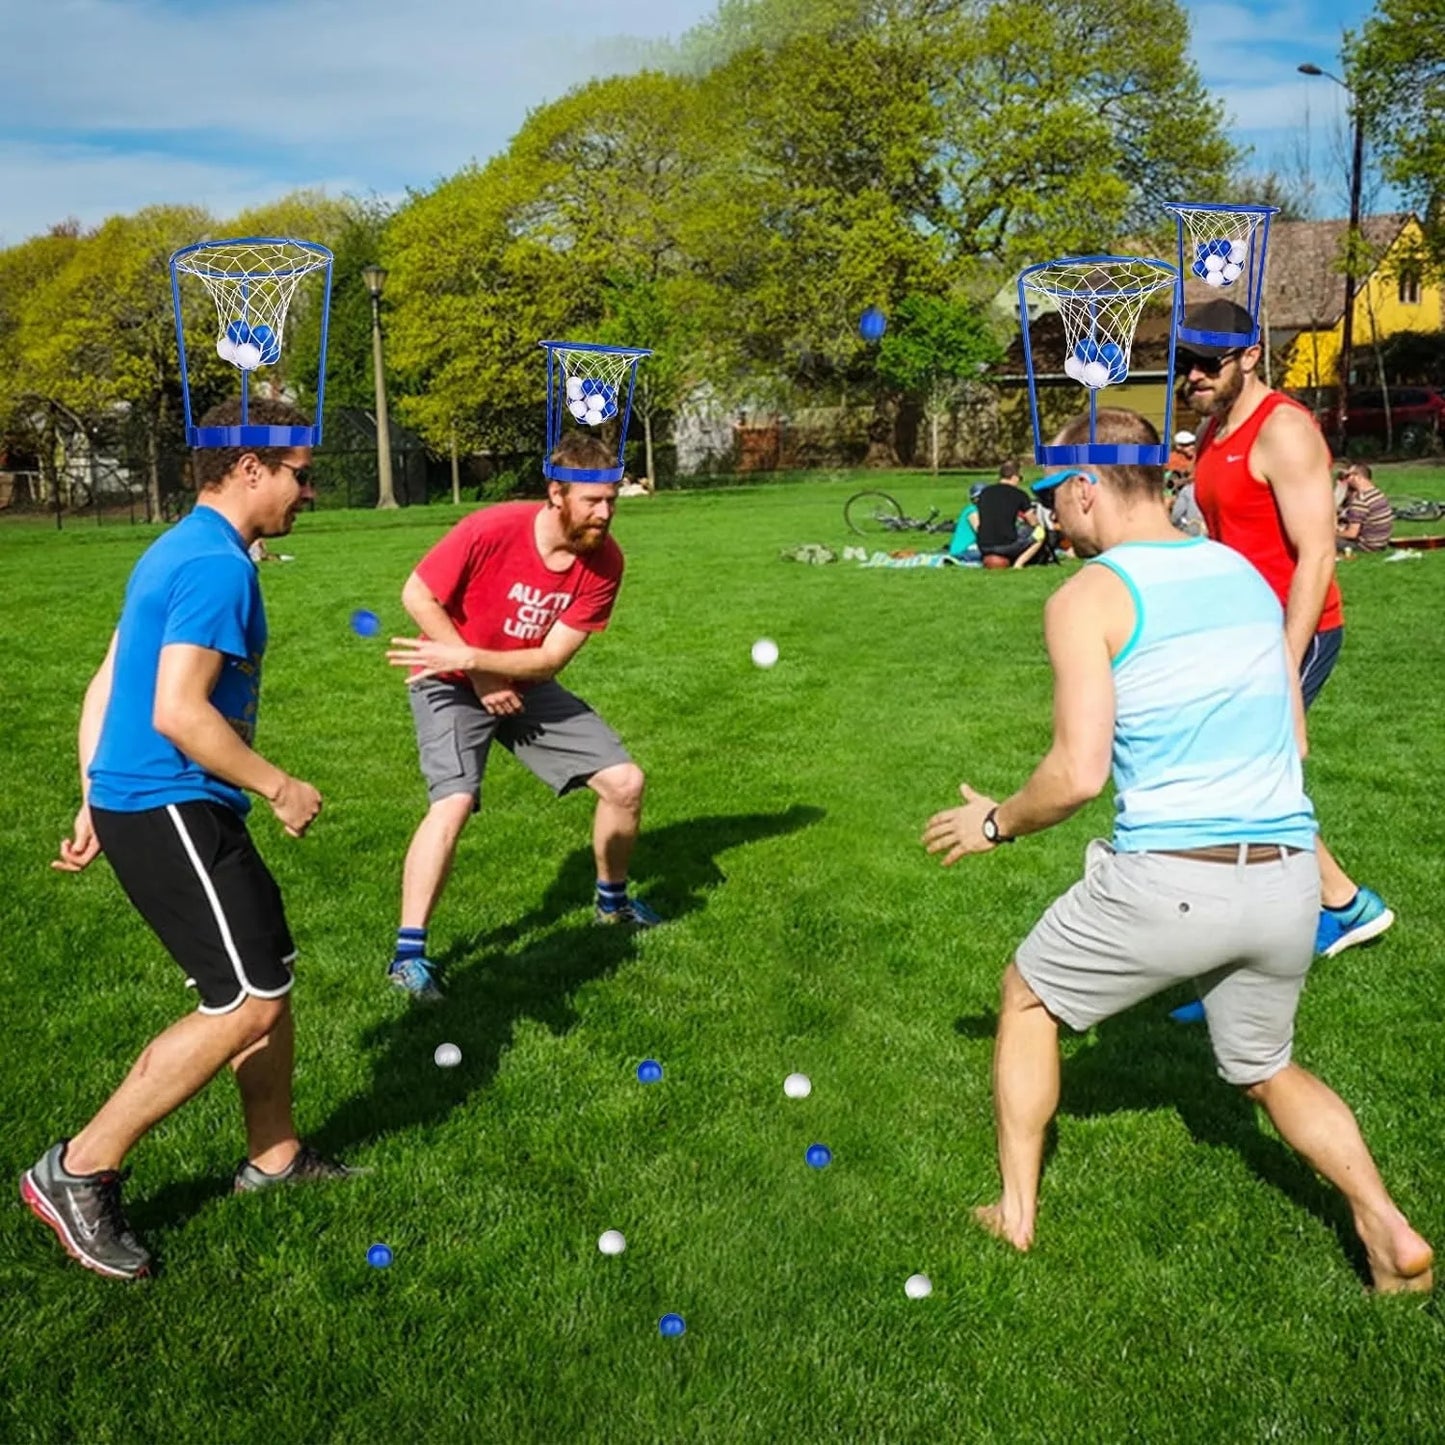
{"x":110,"y":105}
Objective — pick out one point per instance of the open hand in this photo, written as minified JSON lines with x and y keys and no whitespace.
{"x":430,"y":656}
{"x":957,"y":831}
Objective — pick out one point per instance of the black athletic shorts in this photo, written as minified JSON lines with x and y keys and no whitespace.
{"x":195,"y":876}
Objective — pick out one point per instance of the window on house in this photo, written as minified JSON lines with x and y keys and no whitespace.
{"x":1409,"y":288}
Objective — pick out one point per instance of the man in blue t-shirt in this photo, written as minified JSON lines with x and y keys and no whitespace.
{"x":166,"y":761}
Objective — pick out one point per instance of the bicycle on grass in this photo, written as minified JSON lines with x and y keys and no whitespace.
{"x":874,"y":513}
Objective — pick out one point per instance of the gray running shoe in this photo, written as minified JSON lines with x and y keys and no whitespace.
{"x":307,"y":1164}
{"x":85,"y":1212}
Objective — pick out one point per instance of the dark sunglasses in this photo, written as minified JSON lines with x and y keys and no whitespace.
{"x":302,"y":474}
{"x":1185,"y":362}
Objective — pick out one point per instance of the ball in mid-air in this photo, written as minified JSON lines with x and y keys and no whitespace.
{"x":365,"y":623}
{"x":918,"y":1286}
{"x":872,"y":324}
{"x":797,"y":1086}
{"x":447,"y":1056}
{"x":765,"y":652}
{"x":611,"y":1241}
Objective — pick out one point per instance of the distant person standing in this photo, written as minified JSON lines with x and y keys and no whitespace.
{"x":1006,"y":519}
{"x":1369,"y":519}
{"x":1262,"y":481}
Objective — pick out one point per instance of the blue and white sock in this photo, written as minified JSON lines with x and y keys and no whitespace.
{"x":611,"y":896}
{"x":410,"y":943}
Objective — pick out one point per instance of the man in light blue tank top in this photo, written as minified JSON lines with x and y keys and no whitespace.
{"x":1170,"y":670}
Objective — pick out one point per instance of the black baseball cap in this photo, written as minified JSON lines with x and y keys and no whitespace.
{"x":1221,"y":317}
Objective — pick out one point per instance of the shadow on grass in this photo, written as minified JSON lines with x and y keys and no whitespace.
{"x":1143,"y":1060}
{"x":673,"y":869}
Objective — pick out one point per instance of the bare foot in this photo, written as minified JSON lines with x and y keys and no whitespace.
{"x":991,"y":1217}
{"x":1400,"y":1259}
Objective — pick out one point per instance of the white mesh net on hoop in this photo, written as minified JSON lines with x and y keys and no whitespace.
{"x":1219,"y":243}
{"x":252,"y":284}
{"x":1100,"y":300}
{"x":593,"y":381}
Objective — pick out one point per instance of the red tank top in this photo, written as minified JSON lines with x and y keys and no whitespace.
{"x":1241,"y":512}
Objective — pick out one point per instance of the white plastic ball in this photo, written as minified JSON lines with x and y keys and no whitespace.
{"x":447,"y":1056}
{"x":578,"y":408}
{"x":611,"y":1241}
{"x":594,"y":416}
{"x":574,"y":387}
{"x":1237,"y":252}
{"x":1214,"y":263}
{"x":797,"y":1086}
{"x":918,"y":1286}
{"x":765,"y":652}
{"x":1214,"y":278}
{"x":226,"y":349}
{"x":1096,"y":374}
{"x":1073,"y":367}
{"x":1232,"y":273}
{"x":247,"y":356}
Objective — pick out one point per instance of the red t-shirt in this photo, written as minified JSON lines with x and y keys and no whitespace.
{"x":489,"y":576}
{"x":1241,"y":511}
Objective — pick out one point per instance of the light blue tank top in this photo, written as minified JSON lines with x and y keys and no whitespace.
{"x":1204,"y":743}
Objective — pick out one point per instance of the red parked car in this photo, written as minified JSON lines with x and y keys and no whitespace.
{"x":1416,"y":416}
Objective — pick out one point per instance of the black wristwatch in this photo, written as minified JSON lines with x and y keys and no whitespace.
{"x":990,"y":828}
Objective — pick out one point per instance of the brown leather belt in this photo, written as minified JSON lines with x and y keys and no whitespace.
{"x":1229,"y":853}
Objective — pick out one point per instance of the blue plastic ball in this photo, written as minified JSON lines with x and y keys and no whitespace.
{"x":1112,"y":355}
{"x":1200,"y":269}
{"x":379,"y":1256}
{"x":819,"y":1156}
{"x":872,"y":324}
{"x":649,"y":1071}
{"x":671,"y":1326}
{"x":365,"y":623}
{"x":264,"y":338}
{"x":238,"y":332}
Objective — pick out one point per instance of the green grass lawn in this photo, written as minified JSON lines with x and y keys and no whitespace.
{"x":1192,"y":1281}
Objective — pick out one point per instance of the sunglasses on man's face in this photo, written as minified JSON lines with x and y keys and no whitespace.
{"x":302,"y":474}
{"x":1184,"y":363}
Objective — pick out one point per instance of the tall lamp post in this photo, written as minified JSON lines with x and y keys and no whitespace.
{"x":1357,"y":166}
{"x":375,"y":278}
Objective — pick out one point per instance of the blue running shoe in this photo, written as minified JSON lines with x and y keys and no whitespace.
{"x":416,"y":976}
{"x":633,"y":912}
{"x":1342,"y":928}
{"x":1188,"y":1013}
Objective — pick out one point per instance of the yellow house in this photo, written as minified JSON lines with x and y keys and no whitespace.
{"x":1304,"y":300}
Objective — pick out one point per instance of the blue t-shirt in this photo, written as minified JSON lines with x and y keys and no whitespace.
{"x":195,"y":584}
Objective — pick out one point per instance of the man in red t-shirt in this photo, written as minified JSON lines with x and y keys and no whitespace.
{"x":505,"y":600}
{"x":1262,"y":480}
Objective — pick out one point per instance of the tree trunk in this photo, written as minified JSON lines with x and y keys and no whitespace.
{"x":647,"y":448}
{"x":153,"y":471}
{"x":456,"y":472}
{"x":933,"y":429}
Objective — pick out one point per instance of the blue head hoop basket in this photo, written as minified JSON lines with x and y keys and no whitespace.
{"x":586,"y":383}
{"x":1222,"y":252}
{"x":1099,"y":299}
{"x":252,"y":281}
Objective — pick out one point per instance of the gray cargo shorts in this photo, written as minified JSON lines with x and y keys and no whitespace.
{"x":1137,"y":923}
{"x":556,"y":736}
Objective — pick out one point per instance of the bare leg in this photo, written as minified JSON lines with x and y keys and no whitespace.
{"x":263,"y":1075}
{"x":619,"y":792}
{"x":1336,"y":886}
{"x":1026,"y":1094}
{"x":1318,"y":1125}
{"x":173,"y":1067}
{"x":1025,"y":557}
{"x":429,"y":858}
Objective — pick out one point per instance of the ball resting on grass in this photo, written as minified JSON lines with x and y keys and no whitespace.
{"x":819,"y":1156}
{"x":379,"y":1256}
{"x":765,"y":652}
{"x":611,"y":1241}
{"x":447,"y":1056}
{"x":649,"y":1071}
{"x":918,"y":1286}
{"x":797,"y":1086}
{"x":671,"y":1326}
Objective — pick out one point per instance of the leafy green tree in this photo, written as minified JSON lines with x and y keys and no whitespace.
{"x":1396,"y":65}
{"x":932,"y":347}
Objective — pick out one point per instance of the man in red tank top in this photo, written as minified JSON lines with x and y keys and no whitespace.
{"x":1262,"y":479}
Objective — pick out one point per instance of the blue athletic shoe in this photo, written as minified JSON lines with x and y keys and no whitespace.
{"x":1342,"y":928}
{"x":633,"y":912}
{"x":416,"y":976}
{"x":1188,"y":1013}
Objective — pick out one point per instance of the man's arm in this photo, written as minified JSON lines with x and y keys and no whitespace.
{"x":1292,"y":457}
{"x":82,"y":847}
{"x":1078,"y":621}
{"x":184,"y":715}
{"x":530,"y":664}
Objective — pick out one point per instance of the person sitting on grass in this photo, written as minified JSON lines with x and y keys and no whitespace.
{"x":1369,"y":519}
{"x":1008,"y":527}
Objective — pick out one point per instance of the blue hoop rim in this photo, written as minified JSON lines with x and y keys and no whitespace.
{"x":1103,"y":454}
{"x":253,"y":435}
{"x":322,"y":253}
{"x":594,"y":346}
{"x":553,"y":473}
{"x":1220,"y":207}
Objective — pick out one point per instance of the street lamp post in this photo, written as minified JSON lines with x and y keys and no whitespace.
{"x":1357,"y":166}
{"x":375,"y":278}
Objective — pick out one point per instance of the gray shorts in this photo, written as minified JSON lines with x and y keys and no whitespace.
{"x":1137,"y":923}
{"x":556,"y":736}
